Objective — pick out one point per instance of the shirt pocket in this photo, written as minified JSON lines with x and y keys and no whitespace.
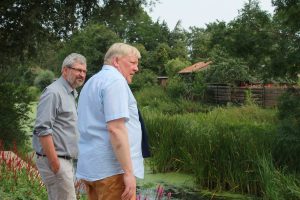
{"x":68,"y":111}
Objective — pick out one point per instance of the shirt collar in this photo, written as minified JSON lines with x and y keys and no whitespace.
{"x":68,"y":87}
{"x":110,"y":67}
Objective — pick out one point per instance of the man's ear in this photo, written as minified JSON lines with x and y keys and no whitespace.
{"x":115,"y":62}
{"x":64,"y":71}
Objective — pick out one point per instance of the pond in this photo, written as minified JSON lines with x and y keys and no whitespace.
{"x":178,"y":184}
{"x":181,"y":186}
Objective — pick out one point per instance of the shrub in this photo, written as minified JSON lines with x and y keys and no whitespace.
{"x":34,"y":92}
{"x":43,"y":79}
{"x":286,"y":151}
{"x":14,"y":107}
{"x":190,"y":88}
{"x":198,"y":87}
{"x":227,"y":69}
{"x":175,"y":65}
{"x":143,"y":79}
{"x":176,"y":87}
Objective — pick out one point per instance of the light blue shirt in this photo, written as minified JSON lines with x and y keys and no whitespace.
{"x":106,"y":96}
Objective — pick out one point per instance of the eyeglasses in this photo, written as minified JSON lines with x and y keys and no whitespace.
{"x":79,"y":70}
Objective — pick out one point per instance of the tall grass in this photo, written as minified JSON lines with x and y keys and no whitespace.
{"x":222,"y":148}
{"x":277,"y":184}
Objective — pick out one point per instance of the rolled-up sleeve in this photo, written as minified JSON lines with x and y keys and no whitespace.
{"x":46,"y":113}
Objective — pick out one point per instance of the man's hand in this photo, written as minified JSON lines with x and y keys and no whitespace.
{"x":49,"y":150}
{"x":120,"y":144}
{"x":55,"y":165}
{"x":130,"y":186}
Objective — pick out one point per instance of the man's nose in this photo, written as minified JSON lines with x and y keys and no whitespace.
{"x":136,"y":69}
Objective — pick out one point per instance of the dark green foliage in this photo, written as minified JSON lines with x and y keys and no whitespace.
{"x":287,"y":149}
{"x":198,"y":87}
{"x":92,"y":42}
{"x":14,"y":106}
{"x":187,"y":86}
{"x":226,"y":69}
{"x":251,"y":37}
{"x":288,"y":12}
{"x":178,"y":42}
{"x":160,"y":56}
{"x":173,"y":66}
{"x":143,"y":79}
{"x":176,"y":87}
{"x":286,"y":58}
{"x":43,"y":79}
{"x":199,"y":42}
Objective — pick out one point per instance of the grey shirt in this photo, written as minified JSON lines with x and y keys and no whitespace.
{"x":57,"y":115}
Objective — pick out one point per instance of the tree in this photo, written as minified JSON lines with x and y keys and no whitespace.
{"x":159,"y":57}
{"x":287,"y":146}
{"x":92,"y":42}
{"x":287,"y":13}
{"x":226,"y":69}
{"x":178,"y":42}
{"x":126,"y":18}
{"x":26,"y":28}
{"x":14,"y":106}
{"x":200,"y":44}
{"x":141,"y":29}
{"x":25,"y":25}
{"x":251,"y":37}
{"x":144,"y":78}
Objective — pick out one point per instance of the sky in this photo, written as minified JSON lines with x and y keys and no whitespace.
{"x":200,"y":12}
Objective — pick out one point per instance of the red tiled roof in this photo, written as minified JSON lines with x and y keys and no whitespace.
{"x":195,"y":67}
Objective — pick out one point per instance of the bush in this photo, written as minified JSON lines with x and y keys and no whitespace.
{"x":226,"y":69}
{"x":43,"y":79}
{"x":190,"y":88}
{"x":175,"y":65}
{"x":143,"y":79}
{"x":14,"y":106}
{"x":34,"y":92}
{"x":176,"y":87}
{"x":286,"y":152}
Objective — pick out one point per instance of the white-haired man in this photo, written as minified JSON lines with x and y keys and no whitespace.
{"x":110,"y":155}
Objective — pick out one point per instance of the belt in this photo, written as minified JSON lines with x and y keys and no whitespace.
{"x":64,"y":157}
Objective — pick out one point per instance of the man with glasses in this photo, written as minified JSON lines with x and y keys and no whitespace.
{"x":55,"y":132}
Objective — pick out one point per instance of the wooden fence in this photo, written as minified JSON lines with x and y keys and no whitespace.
{"x":263,"y":96}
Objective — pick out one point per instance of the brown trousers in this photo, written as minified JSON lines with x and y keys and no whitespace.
{"x":110,"y":188}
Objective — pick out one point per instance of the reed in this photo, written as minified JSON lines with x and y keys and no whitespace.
{"x":221,"y":148}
